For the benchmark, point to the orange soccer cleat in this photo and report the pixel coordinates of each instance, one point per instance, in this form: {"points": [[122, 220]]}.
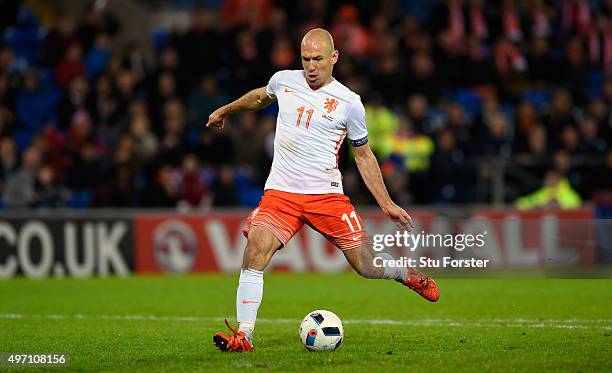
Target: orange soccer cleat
{"points": [[232, 343], [424, 285]]}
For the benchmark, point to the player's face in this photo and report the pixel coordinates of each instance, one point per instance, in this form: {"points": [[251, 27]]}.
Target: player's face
{"points": [[318, 62]]}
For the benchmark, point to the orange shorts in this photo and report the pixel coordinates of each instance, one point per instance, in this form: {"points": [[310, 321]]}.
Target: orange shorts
{"points": [[330, 214]]}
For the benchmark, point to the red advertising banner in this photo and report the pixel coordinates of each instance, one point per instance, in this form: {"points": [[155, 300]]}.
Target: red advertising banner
{"points": [[541, 237], [177, 243]]}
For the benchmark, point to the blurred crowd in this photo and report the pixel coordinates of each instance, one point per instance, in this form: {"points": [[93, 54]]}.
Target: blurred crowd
{"points": [[467, 101]]}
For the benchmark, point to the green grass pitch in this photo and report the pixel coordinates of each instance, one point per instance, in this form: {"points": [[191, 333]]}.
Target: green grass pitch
{"points": [[166, 323]]}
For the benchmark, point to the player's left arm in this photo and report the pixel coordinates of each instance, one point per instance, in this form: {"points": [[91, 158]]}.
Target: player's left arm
{"points": [[367, 164], [370, 172]]}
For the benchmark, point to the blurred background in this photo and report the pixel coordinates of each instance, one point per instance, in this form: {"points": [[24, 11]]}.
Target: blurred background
{"points": [[476, 110], [102, 103]]}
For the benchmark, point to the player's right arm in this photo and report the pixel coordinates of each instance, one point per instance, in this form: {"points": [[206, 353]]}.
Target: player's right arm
{"points": [[251, 101]]}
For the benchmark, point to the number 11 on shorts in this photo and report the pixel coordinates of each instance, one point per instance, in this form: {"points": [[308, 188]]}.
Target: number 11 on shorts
{"points": [[353, 215]]}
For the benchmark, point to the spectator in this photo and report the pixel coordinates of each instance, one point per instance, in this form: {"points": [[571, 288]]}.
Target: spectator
{"points": [[215, 148], [560, 115], [423, 77], [136, 62], [174, 120], [84, 175], [126, 90], [164, 92], [417, 111], [565, 166], [7, 121], [224, 189], [497, 139], [575, 70], [105, 106], [71, 66], [381, 121], [20, 186], [193, 192], [591, 143], [163, 191], [477, 65], [47, 192], [8, 159], [57, 41], [35, 108], [541, 23], [457, 123], [123, 191], [411, 151], [555, 193], [349, 34], [168, 63], [283, 56], [77, 98], [569, 140], [389, 81], [449, 177], [249, 138], [205, 100], [250, 67], [542, 68], [145, 141], [198, 48], [98, 56]]}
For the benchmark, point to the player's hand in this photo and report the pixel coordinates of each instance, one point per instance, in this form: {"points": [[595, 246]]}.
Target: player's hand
{"points": [[401, 218], [217, 119]]}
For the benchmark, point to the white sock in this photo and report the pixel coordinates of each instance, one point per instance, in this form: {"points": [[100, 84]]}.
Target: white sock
{"points": [[248, 299], [395, 273]]}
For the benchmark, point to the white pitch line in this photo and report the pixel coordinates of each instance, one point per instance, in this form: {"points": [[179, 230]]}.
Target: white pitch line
{"points": [[592, 324]]}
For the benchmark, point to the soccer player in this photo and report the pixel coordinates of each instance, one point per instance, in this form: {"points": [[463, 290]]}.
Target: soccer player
{"points": [[315, 113]]}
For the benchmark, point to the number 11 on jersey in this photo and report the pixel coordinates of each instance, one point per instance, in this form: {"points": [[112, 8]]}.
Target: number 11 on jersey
{"points": [[300, 111]]}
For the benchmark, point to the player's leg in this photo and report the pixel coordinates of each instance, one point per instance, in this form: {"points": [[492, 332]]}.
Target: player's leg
{"points": [[362, 260], [270, 226], [337, 219], [261, 246]]}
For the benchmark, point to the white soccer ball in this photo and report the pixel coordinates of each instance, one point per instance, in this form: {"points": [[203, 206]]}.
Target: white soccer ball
{"points": [[321, 331]]}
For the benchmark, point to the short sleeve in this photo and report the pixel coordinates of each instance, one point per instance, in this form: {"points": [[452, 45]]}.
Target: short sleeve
{"points": [[272, 86], [357, 131]]}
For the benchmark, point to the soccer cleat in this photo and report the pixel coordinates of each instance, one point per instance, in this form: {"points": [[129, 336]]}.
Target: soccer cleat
{"points": [[232, 343], [424, 285]]}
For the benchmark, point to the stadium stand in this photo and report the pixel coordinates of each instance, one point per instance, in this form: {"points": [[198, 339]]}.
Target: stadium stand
{"points": [[467, 101]]}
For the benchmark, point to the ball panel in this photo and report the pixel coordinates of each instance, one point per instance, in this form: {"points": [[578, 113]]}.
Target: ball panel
{"points": [[311, 337], [331, 331]]}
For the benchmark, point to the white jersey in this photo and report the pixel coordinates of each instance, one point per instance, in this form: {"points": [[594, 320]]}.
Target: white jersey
{"points": [[310, 128]]}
